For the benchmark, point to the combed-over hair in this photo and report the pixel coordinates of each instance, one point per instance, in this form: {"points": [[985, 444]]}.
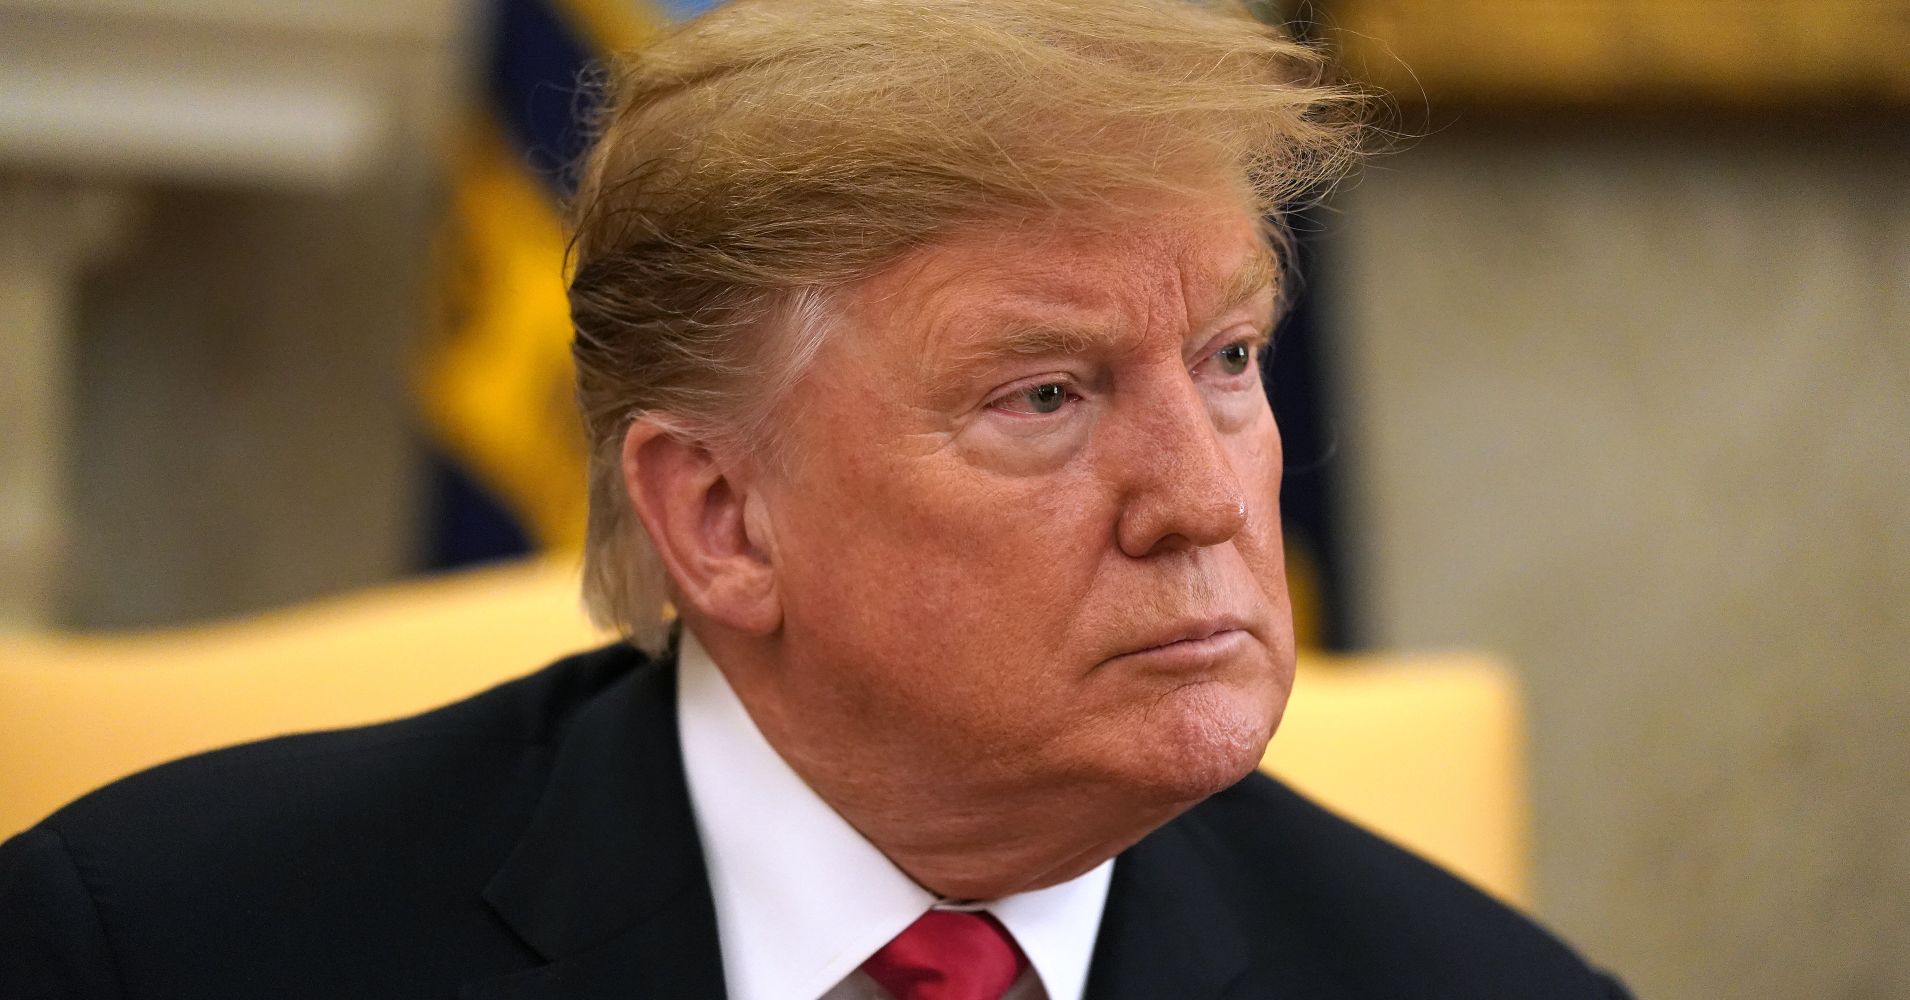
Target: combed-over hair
{"points": [[752, 161]]}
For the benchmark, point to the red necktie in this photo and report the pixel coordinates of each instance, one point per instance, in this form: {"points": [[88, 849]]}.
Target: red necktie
{"points": [[949, 955]]}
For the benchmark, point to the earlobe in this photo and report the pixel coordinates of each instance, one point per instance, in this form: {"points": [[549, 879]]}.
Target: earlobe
{"points": [[742, 592], [707, 525]]}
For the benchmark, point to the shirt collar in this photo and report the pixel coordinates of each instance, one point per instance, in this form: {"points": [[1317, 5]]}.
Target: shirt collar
{"points": [[802, 899]]}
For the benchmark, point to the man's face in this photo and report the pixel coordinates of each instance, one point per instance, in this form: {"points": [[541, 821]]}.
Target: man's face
{"points": [[1030, 530]]}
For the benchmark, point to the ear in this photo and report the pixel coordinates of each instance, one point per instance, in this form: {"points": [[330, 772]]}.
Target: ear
{"points": [[707, 525]]}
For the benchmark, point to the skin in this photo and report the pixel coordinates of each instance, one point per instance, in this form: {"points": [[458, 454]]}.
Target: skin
{"points": [[955, 615]]}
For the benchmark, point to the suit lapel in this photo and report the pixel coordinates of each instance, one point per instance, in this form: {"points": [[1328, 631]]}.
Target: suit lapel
{"points": [[1166, 931], [608, 883]]}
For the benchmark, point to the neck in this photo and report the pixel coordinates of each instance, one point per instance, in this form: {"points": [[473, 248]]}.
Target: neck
{"points": [[981, 848], [959, 824]]}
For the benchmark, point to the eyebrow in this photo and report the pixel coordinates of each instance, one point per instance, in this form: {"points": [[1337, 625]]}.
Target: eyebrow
{"points": [[1256, 275]]}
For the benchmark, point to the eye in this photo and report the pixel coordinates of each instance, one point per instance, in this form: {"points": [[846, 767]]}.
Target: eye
{"points": [[1044, 398], [1235, 357]]}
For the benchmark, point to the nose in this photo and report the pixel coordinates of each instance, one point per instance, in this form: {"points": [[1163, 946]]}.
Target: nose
{"points": [[1183, 491]]}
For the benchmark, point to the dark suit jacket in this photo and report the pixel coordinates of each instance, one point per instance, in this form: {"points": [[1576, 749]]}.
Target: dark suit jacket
{"points": [[536, 841]]}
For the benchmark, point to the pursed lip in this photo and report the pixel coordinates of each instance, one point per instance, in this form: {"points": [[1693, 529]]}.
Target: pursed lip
{"points": [[1208, 634]]}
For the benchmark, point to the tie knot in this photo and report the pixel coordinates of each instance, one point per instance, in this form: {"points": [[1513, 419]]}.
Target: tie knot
{"points": [[949, 955]]}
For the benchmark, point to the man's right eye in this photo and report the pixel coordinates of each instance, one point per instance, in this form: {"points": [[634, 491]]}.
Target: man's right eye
{"points": [[1036, 397], [1046, 398], [1035, 400]]}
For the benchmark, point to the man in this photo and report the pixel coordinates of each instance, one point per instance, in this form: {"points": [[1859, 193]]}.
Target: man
{"points": [[918, 346]]}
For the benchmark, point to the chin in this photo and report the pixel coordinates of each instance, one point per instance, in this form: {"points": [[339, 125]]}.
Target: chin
{"points": [[1202, 738]]}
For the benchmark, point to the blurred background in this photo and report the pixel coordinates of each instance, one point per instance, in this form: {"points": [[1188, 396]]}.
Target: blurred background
{"points": [[1605, 370]]}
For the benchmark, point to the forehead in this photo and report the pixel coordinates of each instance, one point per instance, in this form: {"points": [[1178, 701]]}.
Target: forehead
{"points": [[1177, 261]]}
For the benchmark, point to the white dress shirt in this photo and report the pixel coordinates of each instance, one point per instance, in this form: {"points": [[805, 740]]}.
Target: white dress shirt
{"points": [[802, 899]]}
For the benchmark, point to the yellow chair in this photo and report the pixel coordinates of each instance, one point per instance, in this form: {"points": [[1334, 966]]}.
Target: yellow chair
{"points": [[1428, 752]]}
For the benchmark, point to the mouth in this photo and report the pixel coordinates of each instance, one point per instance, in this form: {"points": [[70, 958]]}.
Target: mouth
{"points": [[1190, 644]]}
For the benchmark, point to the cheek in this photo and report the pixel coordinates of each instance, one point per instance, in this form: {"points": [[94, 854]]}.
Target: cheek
{"points": [[966, 587], [1264, 450], [1009, 557], [946, 600], [1259, 462]]}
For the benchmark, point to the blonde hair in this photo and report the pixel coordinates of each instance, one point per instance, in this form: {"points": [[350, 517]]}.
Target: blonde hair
{"points": [[755, 160]]}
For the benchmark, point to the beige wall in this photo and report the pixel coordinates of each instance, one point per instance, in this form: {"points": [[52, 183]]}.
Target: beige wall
{"points": [[243, 434], [212, 269], [1631, 404]]}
